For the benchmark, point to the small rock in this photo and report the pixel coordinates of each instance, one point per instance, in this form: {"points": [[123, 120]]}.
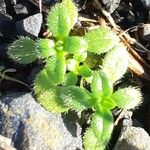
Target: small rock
{"points": [[127, 119], [146, 3], [111, 5], [20, 9], [2, 6], [133, 138], [145, 34], [30, 126], [5, 143], [30, 26]]}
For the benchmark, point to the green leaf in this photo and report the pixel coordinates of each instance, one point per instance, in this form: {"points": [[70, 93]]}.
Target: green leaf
{"points": [[101, 40], [107, 125], [96, 85], [76, 98], [79, 57], [62, 18], [71, 79], [47, 94], [75, 45], [85, 71], [46, 47], [23, 50], [107, 85], [98, 135], [115, 63], [127, 97], [41, 78], [108, 103], [102, 124], [101, 85], [56, 68], [91, 142]]}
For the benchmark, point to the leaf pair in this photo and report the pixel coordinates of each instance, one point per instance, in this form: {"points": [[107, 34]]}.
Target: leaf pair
{"points": [[59, 99]]}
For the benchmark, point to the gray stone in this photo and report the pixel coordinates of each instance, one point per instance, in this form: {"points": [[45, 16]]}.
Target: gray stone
{"points": [[146, 3], [146, 32], [111, 5], [5, 143], [30, 126], [20, 9], [2, 6], [133, 138], [30, 26]]}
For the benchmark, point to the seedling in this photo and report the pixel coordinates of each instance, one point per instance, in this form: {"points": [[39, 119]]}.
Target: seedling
{"points": [[59, 86]]}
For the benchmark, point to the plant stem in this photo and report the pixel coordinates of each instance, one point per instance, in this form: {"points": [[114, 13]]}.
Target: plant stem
{"points": [[3, 76]]}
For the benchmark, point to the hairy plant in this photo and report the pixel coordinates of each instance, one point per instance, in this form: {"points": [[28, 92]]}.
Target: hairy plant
{"points": [[61, 85]]}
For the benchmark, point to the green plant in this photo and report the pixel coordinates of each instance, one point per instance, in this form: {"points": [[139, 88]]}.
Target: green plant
{"points": [[61, 85]]}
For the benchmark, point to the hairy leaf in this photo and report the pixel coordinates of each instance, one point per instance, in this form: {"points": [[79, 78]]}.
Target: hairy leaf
{"points": [[101, 40], [107, 125], [47, 94], [46, 47], [91, 142], [127, 97], [62, 18], [70, 79], [108, 103], [85, 71], [98, 135], [75, 45], [23, 50], [76, 98], [56, 68], [115, 63], [96, 85], [107, 85], [102, 125]]}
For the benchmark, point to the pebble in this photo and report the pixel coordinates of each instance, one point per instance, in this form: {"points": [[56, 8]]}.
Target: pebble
{"points": [[133, 138], [111, 5], [2, 6], [5, 143], [30, 26], [146, 3], [145, 34], [21, 9], [30, 126]]}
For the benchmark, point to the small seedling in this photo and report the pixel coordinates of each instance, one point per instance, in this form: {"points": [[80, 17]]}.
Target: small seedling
{"points": [[60, 85]]}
